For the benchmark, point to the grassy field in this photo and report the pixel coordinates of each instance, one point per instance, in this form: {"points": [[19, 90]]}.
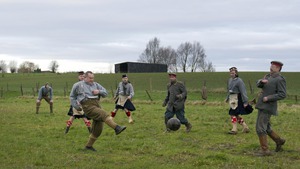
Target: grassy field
{"points": [[30, 140]]}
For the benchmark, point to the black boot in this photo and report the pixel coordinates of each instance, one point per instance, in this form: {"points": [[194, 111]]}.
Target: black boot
{"points": [[67, 129], [119, 129], [188, 127], [90, 129]]}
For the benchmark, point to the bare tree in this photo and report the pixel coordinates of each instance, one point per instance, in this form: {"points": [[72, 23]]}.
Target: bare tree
{"points": [[150, 54], [197, 56], [27, 67], [168, 55], [13, 66], [53, 66], [3, 66], [183, 52]]}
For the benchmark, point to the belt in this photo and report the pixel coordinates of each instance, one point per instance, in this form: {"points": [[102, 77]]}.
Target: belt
{"points": [[87, 99]]}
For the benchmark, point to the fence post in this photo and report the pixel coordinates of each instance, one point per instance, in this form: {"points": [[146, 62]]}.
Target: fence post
{"points": [[204, 91], [251, 89], [6, 86], [33, 92], [149, 95], [65, 92], [296, 98], [22, 90], [1, 93]]}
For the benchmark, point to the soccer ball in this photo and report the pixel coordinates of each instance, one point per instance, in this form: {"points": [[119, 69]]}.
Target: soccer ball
{"points": [[173, 124]]}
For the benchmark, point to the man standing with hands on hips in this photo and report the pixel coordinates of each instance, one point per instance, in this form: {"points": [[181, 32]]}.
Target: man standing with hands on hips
{"points": [[273, 87]]}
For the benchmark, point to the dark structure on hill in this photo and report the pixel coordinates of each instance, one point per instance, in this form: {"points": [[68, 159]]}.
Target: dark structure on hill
{"points": [[137, 67]]}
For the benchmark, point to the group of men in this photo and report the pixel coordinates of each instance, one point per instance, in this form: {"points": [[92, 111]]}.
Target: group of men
{"points": [[85, 95]]}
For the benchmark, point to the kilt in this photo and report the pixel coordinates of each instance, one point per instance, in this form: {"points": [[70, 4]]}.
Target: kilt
{"points": [[128, 105], [240, 110]]}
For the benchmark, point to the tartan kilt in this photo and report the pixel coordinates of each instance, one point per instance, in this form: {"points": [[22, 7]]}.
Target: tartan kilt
{"points": [[128, 105]]}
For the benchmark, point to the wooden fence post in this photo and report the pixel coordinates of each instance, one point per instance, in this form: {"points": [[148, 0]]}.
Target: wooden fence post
{"points": [[149, 95], [251, 89], [1, 93], [22, 90], [65, 92], [204, 91], [33, 92], [296, 98]]}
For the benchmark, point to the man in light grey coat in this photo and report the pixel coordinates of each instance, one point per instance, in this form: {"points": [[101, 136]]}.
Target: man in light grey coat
{"points": [[273, 89]]}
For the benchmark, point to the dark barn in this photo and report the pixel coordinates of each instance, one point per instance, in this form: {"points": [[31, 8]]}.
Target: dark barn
{"points": [[136, 67]]}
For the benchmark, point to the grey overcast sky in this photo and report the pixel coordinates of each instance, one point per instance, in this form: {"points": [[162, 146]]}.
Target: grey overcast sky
{"points": [[96, 34]]}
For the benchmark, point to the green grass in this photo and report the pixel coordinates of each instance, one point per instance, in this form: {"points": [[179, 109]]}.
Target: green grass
{"points": [[30, 140]]}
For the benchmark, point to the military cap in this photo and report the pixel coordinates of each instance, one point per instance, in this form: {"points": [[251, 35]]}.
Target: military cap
{"points": [[277, 63], [124, 76], [172, 74], [80, 72]]}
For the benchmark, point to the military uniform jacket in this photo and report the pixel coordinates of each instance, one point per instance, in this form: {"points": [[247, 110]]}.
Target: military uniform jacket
{"points": [[176, 96], [275, 90]]}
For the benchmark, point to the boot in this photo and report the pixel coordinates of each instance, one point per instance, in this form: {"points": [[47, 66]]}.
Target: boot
{"points": [[130, 120], [264, 146], [245, 128], [279, 141], [90, 143], [188, 127], [67, 129], [119, 129], [37, 110], [51, 109], [233, 131], [89, 129]]}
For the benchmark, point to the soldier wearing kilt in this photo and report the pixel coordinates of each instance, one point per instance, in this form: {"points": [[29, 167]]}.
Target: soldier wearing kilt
{"points": [[75, 114], [123, 96], [238, 101]]}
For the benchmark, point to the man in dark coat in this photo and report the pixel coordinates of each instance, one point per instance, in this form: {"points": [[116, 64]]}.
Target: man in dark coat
{"points": [[273, 87], [175, 101]]}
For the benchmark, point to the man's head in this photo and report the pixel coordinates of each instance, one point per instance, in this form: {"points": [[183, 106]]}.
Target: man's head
{"points": [[233, 72], [89, 77], [80, 75], [124, 78], [47, 85], [172, 77], [276, 66]]}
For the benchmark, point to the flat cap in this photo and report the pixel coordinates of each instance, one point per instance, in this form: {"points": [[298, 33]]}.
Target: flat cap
{"points": [[278, 63], [124, 76], [172, 74]]}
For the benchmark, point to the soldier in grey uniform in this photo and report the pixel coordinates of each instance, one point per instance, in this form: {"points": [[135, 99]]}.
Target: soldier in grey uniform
{"points": [[78, 114], [175, 101], [273, 87], [84, 96], [238, 101], [46, 93], [123, 96]]}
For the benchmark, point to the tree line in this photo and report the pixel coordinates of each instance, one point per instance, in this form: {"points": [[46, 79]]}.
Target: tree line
{"points": [[188, 57], [25, 67]]}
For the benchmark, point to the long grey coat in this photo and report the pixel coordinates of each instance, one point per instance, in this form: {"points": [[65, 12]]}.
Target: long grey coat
{"points": [[176, 96], [275, 90]]}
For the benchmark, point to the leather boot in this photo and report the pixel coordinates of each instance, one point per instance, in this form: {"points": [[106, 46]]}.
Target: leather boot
{"points": [[118, 129], [233, 131], [51, 109], [188, 127], [264, 151], [279, 141]]}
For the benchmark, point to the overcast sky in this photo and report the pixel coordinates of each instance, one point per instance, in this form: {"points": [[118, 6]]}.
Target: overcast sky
{"points": [[96, 34]]}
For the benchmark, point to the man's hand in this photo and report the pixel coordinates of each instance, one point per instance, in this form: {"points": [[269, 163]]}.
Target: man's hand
{"points": [[38, 100], [265, 99], [179, 96], [96, 92], [129, 97], [164, 104], [51, 101], [265, 81]]}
